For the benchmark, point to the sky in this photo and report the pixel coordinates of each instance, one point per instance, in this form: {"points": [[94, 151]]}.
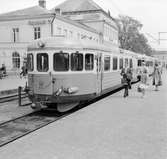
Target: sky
{"points": [[151, 13]]}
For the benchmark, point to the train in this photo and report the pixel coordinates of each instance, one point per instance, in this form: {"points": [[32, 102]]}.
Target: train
{"points": [[63, 72]]}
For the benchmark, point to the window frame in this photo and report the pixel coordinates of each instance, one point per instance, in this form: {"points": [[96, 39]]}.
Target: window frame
{"points": [[126, 62], [130, 63], [71, 66], [15, 32], [121, 63], [109, 62], [113, 64], [30, 70], [37, 32], [92, 66], [16, 61], [38, 61], [61, 52]]}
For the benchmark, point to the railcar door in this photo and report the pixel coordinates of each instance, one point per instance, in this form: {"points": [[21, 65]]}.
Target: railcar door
{"points": [[43, 78], [99, 71]]}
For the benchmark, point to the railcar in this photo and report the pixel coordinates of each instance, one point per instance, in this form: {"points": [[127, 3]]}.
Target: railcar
{"points": [[64, 72]]}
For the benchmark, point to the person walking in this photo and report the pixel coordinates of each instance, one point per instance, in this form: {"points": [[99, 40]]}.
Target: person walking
{"points": [[23, 73], [126, 74], [156, 77], [143, 85]]}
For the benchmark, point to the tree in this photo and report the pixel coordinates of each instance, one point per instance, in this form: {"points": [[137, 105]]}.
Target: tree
{"points": [[130, 37]]}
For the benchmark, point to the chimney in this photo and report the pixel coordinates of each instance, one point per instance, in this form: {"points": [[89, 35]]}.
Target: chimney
{"points": [[42, 3], [58, 11]]}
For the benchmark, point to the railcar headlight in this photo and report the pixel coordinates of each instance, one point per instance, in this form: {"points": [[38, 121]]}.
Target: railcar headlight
{"points": [[58, 92], [71, 90]]}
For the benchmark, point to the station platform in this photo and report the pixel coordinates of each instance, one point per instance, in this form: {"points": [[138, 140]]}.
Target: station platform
{"points": [[10, 84], [112, 128]]}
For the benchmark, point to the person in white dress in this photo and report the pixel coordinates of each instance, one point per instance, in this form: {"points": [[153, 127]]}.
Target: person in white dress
{"points": [[143, 85]]}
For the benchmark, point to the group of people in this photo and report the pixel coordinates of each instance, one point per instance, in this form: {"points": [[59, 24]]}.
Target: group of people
{"points": [[3, 71], [143, 77]]}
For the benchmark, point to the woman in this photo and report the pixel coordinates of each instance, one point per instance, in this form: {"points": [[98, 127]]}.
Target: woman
{"points": [[156, 76], [143, 85]]}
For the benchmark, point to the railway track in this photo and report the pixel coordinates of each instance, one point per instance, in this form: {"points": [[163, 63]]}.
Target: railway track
{"points": [[21, 126], [12, 97]]}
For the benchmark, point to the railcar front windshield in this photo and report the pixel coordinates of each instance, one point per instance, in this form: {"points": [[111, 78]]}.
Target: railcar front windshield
{"points": [[61, 61], [42, 62], [30, 62], [76, 61]]}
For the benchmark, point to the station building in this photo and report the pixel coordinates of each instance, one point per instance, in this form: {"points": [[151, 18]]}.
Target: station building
{"points": [[74, 19]]}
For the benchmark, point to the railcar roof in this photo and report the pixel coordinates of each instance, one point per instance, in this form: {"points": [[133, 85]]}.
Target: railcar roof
{"points": [[64, 43]]}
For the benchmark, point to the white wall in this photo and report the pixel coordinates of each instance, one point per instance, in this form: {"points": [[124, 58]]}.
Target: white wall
{"points": [[26, 35], [58, 23]]}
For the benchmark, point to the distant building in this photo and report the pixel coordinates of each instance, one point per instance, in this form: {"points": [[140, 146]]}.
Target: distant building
{"points": [[89, 13], [162, 55], [78, 19]]}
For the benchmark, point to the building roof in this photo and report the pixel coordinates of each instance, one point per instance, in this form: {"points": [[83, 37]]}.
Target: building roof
{"points": [[77, 5], [35, 10]]}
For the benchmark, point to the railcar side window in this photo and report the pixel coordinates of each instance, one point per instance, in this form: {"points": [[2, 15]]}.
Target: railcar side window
{"points": [[42, 62], [89, 61], [106, 63], [76, 61], [61, 61], [120, 63], [115, 63], [147, 63], [30, 62], [126, 62], [139, 62], [131, 63]]}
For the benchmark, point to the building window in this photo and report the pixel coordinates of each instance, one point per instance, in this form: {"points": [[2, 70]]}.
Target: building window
{"points": [[15, 34], [61, 61], [76, 61], [89, 63], [16, 60], [37, 32], [106, 63]]}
